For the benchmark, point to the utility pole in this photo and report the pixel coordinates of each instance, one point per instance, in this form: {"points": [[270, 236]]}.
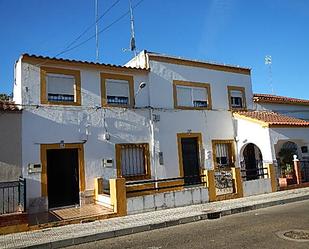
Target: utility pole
{"points": [[96, 29]]}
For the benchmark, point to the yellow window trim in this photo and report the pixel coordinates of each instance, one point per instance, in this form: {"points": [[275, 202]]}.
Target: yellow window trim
{"points": [[187, 135], [77, 87], [232, 152], [146, 158], [191, 84], [81, 167], [107, 76], [237, 88]]}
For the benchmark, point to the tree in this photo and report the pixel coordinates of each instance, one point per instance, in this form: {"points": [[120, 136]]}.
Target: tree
{"points": [[5, 97]]}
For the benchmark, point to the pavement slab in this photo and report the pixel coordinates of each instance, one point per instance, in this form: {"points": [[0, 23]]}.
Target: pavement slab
{"points": [[57, 237]]}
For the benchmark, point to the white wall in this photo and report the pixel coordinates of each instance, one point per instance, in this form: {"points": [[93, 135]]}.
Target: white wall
{"points": [[163, 74], [293, 110], [250, 132], [10, 146], [185, 197], [257, 187], [300, 136]]}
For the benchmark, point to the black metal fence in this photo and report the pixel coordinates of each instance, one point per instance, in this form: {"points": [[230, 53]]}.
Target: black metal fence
{"points": [[254, 174], [304, 166], [168, 183], [12, 196]]}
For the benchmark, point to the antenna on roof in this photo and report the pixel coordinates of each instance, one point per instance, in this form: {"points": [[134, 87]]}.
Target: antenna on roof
{"points": [[132, 41], [268, 62], [96, 30]]}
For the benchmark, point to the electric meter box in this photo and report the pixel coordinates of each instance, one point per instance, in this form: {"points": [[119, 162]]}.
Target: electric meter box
{"points": [[34, 168], [108, 162]]}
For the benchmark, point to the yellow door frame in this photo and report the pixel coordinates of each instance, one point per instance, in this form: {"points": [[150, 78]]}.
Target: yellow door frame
{"points": [[188, 135], [81, 167]]}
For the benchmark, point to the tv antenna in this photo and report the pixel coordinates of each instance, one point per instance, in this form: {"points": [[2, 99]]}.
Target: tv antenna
{"points": [[132, 40], [268, 62]]}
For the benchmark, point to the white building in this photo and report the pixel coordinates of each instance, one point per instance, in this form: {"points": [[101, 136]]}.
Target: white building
{"points": [[157, 117]]}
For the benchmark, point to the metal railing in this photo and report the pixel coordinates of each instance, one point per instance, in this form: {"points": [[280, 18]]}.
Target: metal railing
{"points": [[12, 196], [254, 174], [304, 166], [196, 180]]}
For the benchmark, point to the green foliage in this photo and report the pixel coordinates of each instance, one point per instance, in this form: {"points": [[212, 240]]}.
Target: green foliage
{"points": [[5, 97]]}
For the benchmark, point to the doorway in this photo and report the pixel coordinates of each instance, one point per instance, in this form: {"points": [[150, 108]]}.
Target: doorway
{"points": [[253, 162], [62, 177], [189, 158]]}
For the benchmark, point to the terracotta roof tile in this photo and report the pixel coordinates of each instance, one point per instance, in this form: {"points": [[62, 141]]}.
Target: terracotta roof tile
{"points": [[45, 59], [9, 106], [268, 98], [273, 118]]}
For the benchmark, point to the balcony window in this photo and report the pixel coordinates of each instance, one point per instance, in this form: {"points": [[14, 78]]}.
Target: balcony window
{"points": [[117, 90], [191, 95], [60, 86], [237, 98]]}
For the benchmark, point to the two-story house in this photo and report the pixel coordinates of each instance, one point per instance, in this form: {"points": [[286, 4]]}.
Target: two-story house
{"points": [[158, 117]]}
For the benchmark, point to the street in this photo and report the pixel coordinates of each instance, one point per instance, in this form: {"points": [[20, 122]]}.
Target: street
{"points": [[255, 229]]}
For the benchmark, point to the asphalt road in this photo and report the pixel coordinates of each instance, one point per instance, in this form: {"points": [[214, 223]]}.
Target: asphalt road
{"points": [[255, 229]]}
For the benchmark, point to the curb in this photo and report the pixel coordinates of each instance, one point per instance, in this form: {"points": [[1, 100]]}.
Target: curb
{"points": [[144, 228]]}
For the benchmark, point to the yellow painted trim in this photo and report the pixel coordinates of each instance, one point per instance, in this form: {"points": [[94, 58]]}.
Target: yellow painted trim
{"points": [[211, 184], [232, 152], [145, 146], [118, 195], [200, 146], [191, 84], [77, 87], [262, 123], [82, 65], [191, 63], [81, 167], [272, 175], [238, 182], [237, 88], [129, 78]]}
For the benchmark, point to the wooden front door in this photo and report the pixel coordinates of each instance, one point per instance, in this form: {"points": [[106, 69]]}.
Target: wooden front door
{"points": [[190, 160], [62, 177]]}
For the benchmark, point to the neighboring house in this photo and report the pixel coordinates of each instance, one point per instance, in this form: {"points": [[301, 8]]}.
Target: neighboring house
{"points": [[10, 142], [298, 108]]}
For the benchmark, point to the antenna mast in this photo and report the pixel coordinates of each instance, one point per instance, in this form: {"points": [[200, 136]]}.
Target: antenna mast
{"points": [[270, 75], [96, 30], [132, 41]]}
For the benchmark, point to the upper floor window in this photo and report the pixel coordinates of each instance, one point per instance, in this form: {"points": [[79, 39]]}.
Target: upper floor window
{"points": [[117, 90], [133, 161], [223, 153], [191, 95], [60, 86], [237, 99]]}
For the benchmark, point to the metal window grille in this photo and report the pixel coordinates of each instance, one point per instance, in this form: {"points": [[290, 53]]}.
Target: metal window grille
{"points": [[134, 160], [222, 155]]}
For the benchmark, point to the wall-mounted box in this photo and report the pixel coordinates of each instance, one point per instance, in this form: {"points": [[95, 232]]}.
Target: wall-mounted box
{"points": [[34, 168], [108, 162]]}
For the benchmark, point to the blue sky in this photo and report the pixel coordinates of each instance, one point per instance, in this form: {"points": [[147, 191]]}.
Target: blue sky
{"points": [[240, 32]]}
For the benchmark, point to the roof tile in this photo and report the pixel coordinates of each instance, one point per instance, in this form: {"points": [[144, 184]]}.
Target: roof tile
{"points": [[269, 98], [9, 106], [273, 118]]}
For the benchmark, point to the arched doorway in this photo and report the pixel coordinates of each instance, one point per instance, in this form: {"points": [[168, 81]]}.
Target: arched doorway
{"points": [[253, 162], [285, 158]]}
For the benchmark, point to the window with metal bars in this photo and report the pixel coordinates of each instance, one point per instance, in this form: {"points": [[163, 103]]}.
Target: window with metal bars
{"points": [[133, 161], [223, 154]]}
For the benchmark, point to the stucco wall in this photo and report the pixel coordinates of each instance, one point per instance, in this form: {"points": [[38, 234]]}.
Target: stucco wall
{"points": [[250, 132], [163, 74], [10, 146]]}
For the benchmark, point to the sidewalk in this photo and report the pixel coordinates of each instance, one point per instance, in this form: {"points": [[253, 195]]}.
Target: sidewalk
{"points": [[103, 229]]}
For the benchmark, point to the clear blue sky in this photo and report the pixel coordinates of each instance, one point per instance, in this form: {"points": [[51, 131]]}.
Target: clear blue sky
{"points": [[237, 32]]}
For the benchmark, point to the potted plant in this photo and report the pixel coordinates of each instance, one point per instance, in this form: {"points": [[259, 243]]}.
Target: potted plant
{"points": [[286, 164]]}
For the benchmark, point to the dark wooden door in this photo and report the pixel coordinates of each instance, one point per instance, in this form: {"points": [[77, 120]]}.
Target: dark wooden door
{"points": [[62, 177], [190, 160]]}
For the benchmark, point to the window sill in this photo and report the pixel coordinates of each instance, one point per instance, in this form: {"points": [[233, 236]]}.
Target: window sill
{"points": [[192, 108], [61, 103]]}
